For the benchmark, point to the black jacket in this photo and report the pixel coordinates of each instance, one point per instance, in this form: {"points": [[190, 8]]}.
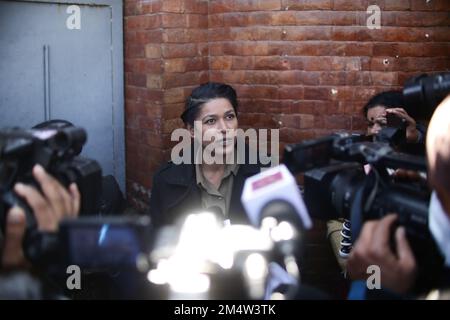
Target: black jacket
{"points": [[175, 193]]}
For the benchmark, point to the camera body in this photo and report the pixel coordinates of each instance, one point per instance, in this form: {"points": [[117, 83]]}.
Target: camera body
{"points": [[334, 174], [56, 150], [342, 187]]}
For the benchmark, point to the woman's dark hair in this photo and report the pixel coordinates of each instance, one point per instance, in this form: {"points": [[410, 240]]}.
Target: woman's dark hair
{"points": [[387, 99], [204, 93]]}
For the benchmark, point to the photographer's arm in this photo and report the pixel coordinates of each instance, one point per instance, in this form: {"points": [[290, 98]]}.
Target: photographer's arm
{"points": [[49, 209], [12, 253], [54, 204], [398, 270]]}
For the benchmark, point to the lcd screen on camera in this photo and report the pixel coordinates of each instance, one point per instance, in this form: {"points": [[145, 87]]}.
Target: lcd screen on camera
{"points": [[103, 246]]}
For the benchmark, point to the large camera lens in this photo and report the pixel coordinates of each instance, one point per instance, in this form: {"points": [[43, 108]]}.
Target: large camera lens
{"points": [[343, 190], [423, 94], [69, 139]]}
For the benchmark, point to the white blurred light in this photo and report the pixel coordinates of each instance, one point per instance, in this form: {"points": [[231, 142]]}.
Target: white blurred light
{"points": [[190, 283], [284, 231], [256, 266]]}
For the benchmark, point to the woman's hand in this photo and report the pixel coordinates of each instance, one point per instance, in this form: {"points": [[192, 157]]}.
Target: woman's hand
{"points": [[412, 134]]}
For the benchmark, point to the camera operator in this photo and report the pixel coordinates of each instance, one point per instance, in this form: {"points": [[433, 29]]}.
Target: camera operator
{"points": [[398, 266], [49, 207], [387, 103]]}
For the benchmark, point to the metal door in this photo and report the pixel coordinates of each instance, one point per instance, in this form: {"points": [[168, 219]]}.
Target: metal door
{"points": [[64, 60]]}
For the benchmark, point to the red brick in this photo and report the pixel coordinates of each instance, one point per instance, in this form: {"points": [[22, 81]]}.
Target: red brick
{"points": [[220, 6], [172, 6], [174, 80], [134, 51], [385, 49], [170, 125], [172, 111], [143, 65], [435, 5], [197, 21], [242, 63], [316, 93], [154, 81], [256, 19], [174, 20], [291, 92], [220, 34], [384, 78], [303, 33], [422, 19], [220, 63], [260, 91], [357, 49], [236, 19], [307, 4], [137, 80], [397, 5], [184, 35], [333, 78], [364, 93], [271, 63], [185, 65], [345, 5], [176, 50], [245, 5], [343, 93], [308, 78], [215, 20], [196, 6], [269, 5], [306, 121], [148, 36], [342, 33], [143, 22], [338, 122], [153, 51]]}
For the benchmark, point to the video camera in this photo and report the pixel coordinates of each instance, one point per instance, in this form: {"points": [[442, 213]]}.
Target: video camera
{"points": [[337, 184], [56, 150], [421, 95]]}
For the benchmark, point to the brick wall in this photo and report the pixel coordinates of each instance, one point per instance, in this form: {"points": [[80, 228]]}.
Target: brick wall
{"points": [[166, 55], [306, 67]]}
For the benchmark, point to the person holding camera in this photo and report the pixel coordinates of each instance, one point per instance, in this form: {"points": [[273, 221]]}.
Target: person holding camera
{"points": [[386, 108], [196, 186], [49, 207], [399, 267]]}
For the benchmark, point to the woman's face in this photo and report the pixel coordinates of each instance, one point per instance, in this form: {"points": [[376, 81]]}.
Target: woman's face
{"points": [[219, 124], [376, 118]]}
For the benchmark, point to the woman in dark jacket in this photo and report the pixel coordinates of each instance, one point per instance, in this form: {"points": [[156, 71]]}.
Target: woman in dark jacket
{"points": [[180, 189]]}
